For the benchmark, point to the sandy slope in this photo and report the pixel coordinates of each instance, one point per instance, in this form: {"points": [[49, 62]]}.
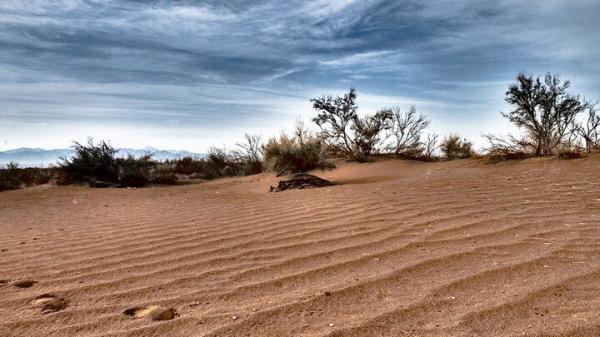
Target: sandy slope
{"points": [[398, 249]]}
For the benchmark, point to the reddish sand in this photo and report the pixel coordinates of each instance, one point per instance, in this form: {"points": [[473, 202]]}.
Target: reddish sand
{"points": [[396, 249]]}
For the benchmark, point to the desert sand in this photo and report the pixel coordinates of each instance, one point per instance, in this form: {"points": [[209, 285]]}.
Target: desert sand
{"points": [[397, 248]]}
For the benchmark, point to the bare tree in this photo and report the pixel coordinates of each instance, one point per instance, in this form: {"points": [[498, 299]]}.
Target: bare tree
{"points": [[590, 131], [544, 109], [406, 131], [430, 146], [342, 127]]}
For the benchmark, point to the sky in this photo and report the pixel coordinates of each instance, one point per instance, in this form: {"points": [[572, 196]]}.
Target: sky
{"points": [[185, 74]]}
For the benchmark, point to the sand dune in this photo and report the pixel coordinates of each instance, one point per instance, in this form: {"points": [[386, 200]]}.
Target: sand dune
{"points": [[396, 249]]}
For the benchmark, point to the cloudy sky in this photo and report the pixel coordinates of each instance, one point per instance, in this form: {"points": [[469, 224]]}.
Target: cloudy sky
{"points": [[185, 74]]}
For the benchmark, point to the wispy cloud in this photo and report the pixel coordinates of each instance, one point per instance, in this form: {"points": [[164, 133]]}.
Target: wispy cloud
{"points": [[188, 63]]}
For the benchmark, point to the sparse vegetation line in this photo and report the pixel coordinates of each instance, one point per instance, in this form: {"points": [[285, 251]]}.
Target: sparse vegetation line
{"points": [[548, 115]]}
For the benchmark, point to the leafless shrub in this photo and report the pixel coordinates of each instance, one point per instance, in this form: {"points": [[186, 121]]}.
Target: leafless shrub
{"points": [[406, 130], [502, 149], [341, 127], [570, 153], [430, 147], [248, 159], [590, 129]]}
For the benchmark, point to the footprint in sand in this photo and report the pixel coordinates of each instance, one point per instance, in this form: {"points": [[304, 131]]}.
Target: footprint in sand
{"points": [[49, 303], [154, 312], [23, 283]]}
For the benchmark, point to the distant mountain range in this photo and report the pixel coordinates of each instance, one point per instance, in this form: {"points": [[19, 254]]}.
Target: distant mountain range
{"points": [[28, 157]]}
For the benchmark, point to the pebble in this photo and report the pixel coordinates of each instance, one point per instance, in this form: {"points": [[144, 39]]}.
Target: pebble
{"points": [[23, 283]]}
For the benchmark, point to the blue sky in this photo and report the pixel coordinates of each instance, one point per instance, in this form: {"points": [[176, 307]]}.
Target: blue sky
{"points": [[189, 74]]}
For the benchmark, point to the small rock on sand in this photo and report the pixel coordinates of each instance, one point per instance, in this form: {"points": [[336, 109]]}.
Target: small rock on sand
{"points": [[49, 303], [23, 283], [154, 312]]}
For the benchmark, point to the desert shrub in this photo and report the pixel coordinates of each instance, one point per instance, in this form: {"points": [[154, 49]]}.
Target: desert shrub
{"points": [[430, 146], [248, 158], [502, 149], [342, 128], [98, 165], [545, 110], [91, 161], [590, 129], [406, 131], [9, 177], [498, 155], [31, 176], [570, 152], [187, 165], [13, 177], [453, 147], [368, 133], [301, 153], [219, 163], [164, 174], [135, 172]]}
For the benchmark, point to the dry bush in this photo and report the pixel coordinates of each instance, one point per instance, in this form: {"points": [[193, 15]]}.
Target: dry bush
{"points": [[453, 147], [13, 177], [248, 158], [406, 131], [9, 177], [590, 129], [187, 165], [570, 152], [301, 153], [545, 111], [342, 128], [96, 164], [430, 146], [135, 172], [164, 174], [501, 149], [90, 162]]}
